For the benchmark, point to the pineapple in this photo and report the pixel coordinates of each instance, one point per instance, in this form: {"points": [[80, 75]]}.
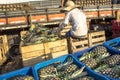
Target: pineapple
{"points": [[70, 68], [99, 52], [90, 62], [112, 60], [49, 70], [111, 72], [99, 49]]}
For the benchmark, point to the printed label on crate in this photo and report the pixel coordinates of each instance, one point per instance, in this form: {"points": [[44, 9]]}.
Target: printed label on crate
{"points": [[2, 21], [105, 13], [39, 18], [16, 20], [56, 16], [91, 14]]}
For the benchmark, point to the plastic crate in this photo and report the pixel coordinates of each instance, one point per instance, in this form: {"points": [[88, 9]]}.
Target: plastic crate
{"points": [[23, 72], [113, 43], [80, 53], [62, 59]]}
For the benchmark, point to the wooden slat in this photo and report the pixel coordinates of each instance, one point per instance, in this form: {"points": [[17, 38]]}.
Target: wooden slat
{"points": [[97, 33], [80, 43], [97, 44], [79, 49], [57, 43], [32, 54], [26, 49], [59, 48], [60, 53], [98, 39], [33, 61]]}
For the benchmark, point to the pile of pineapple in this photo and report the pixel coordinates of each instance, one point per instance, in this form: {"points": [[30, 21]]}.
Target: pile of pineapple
{"points": [[39, 34], [19, 77], [101, 61], [67, 70]]}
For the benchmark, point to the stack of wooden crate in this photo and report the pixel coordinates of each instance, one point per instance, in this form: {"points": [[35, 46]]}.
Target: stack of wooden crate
{"points": [[32, 54], [93, 38]]}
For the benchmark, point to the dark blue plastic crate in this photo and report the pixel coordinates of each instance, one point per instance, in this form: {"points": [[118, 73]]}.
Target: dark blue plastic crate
{"points": [[23, 72], [79, 54], [62, 59], [113, 43]]}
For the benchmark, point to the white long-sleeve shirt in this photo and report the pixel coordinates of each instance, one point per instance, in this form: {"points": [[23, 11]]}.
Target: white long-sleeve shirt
{"points": [[78, 21]]}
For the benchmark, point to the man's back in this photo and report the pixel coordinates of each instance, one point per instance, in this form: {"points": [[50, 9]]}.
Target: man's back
{"points": [[78, 21]]}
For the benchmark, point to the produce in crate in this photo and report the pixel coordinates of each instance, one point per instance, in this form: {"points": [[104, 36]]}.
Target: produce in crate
{"points": [[27, 77], [67, 70], [112, 60], [113, 72], [101, 61], [38, 34], [98, 52], [90, 62]]}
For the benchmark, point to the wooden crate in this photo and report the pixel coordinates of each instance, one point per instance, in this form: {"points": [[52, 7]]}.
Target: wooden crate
{"points": [[3, 49], [32, 54], [96, 37], [4, 43], [75, 45], [56, 49], [93, 38]]}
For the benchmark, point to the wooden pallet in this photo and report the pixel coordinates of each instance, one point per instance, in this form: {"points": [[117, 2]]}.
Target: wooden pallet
{"points": [[93, 38]]}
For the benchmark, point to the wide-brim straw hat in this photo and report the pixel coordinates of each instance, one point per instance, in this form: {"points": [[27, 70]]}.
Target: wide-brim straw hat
{"points": [[69, 6]]}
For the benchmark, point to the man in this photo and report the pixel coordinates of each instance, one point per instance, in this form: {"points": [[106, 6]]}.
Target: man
{"points": [[77, 20]]}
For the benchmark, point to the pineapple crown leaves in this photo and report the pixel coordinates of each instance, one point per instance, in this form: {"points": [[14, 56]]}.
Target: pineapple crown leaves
{"points": [[101, 67], [67, 62], [77, 73], [116, 69], [86, 56]]}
